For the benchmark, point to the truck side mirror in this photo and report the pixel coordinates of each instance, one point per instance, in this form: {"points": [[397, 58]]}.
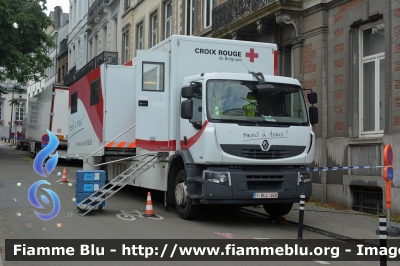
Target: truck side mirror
{"points": [[313, 113], [187, 92], [187, 109], [312, 97]]}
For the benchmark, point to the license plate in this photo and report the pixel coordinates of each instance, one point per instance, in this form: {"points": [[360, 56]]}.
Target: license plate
{"points": [[272, 195]]}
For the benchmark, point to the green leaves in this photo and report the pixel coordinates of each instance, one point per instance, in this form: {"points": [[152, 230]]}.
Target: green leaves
{"points": [[23, 42]]}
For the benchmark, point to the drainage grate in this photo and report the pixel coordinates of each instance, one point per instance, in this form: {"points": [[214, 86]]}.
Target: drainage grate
{"points": [[367, 199]]}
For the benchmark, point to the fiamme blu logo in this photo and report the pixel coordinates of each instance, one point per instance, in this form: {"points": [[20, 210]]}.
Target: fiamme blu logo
{"points": [[44, 169]]}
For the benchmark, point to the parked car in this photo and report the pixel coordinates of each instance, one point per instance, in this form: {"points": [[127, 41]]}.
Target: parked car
{"points": [[22, 145]]}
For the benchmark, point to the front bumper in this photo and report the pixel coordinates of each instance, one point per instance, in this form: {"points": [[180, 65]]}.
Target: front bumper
{"points": [[245, 183]]}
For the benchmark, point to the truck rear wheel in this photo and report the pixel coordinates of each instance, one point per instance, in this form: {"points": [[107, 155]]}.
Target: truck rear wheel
{"points": [[183, 204], [37, 148], [276, 210]]}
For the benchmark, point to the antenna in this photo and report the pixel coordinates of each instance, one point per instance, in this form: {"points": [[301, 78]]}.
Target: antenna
{"points": [[245, 66]]}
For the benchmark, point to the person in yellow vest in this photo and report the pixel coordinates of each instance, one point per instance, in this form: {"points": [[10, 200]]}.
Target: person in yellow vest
{"points": [[250, 108]]}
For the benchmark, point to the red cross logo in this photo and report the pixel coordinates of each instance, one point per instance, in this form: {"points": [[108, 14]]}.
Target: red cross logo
{"points": [[252, 55]]}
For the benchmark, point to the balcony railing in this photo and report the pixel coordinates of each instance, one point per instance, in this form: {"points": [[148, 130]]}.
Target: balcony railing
{"points": [[69, 79], [95, 7], [108, 58], [232, 10]]}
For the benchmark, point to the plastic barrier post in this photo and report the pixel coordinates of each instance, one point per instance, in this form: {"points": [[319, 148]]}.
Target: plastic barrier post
{"points": [[382, 238], [301, 216]]}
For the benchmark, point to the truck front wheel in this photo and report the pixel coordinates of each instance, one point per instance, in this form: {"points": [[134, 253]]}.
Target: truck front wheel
{"points": [[276, 210], [183, 203]]}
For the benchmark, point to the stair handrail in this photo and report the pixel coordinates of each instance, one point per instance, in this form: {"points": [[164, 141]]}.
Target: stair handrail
{"points": [[106, 145]]}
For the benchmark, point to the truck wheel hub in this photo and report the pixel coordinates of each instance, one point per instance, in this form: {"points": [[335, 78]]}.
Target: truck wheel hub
{"points": [[181, 194]]}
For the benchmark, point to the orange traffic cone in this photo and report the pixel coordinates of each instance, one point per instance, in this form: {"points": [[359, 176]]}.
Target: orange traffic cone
{"points": [[149, 207], [64, 176]]}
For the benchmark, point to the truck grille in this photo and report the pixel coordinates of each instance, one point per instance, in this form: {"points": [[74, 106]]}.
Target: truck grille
{"points": [[264, 185], [259, 154], [255, 152], [269, 177], [262, 168]]}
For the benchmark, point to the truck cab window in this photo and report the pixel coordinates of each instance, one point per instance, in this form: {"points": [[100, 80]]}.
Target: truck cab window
{"points": [[95, 92], [197, 106], [74, 102], [231, 101], [153, 76]]}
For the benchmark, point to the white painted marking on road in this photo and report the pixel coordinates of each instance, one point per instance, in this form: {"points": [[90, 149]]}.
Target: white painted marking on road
{"points": [[321, 262], [261, 238]]}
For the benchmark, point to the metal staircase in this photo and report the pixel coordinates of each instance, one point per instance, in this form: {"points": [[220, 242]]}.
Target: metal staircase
{"points": [[120, 181]]}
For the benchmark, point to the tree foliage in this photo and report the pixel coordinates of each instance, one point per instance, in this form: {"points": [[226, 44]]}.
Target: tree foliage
{"points": [[23, 41]]}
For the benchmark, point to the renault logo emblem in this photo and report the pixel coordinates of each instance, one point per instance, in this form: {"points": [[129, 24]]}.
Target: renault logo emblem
{"points": [[265, 145]]}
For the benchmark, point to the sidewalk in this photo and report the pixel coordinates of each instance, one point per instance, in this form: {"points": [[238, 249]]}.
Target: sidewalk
{"points": [[343, 224]]}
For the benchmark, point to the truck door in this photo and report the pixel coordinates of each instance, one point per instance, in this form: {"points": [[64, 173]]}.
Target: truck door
{"points": [[152, 99]]}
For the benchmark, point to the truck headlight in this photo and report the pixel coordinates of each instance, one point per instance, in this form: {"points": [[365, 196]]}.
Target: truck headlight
{"points": [[223, 178], [303, 178]]}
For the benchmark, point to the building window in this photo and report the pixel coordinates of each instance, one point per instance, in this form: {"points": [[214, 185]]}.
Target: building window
{"points": [[372, 80], [127, 4], [139, 44], [59, 75], [208, 6], [154, 29], [19, 112], [126, 47], [189, 17], [168, 19]]}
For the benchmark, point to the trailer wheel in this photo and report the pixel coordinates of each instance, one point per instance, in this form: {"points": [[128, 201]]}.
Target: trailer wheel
{"points": [[183, 204], [276, 210], [37, 148]]}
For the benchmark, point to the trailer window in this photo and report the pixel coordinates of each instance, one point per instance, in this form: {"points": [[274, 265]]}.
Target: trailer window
{"points": [[95, 92], [74, 102], [153, 76]]}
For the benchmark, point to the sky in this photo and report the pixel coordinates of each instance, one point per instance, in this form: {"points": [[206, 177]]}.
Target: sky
{"points": [[53, 3]]}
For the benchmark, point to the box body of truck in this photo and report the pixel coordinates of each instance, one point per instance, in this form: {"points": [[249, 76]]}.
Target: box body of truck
{"points": [[216, 156], [48, 110]]}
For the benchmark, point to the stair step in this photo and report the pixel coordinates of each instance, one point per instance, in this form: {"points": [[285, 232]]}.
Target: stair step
{"points": [[97, 199], [105, 191]]}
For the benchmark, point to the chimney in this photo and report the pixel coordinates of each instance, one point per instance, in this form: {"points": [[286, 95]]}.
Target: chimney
{"points": [[57, 16]]}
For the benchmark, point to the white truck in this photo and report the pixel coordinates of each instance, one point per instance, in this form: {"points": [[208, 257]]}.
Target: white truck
{"points": [[229, 130], [48, 110]]}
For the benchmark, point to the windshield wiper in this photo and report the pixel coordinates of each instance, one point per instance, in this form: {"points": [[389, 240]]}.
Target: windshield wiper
{"points": [[239, 122], [256, 105]]}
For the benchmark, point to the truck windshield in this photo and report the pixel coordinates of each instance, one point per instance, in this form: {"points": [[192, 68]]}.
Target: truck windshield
{"points": [[230, 101]]}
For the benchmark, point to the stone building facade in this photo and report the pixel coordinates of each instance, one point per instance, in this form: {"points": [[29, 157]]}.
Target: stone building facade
{"points": [[146, 23], [348, 52]]}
